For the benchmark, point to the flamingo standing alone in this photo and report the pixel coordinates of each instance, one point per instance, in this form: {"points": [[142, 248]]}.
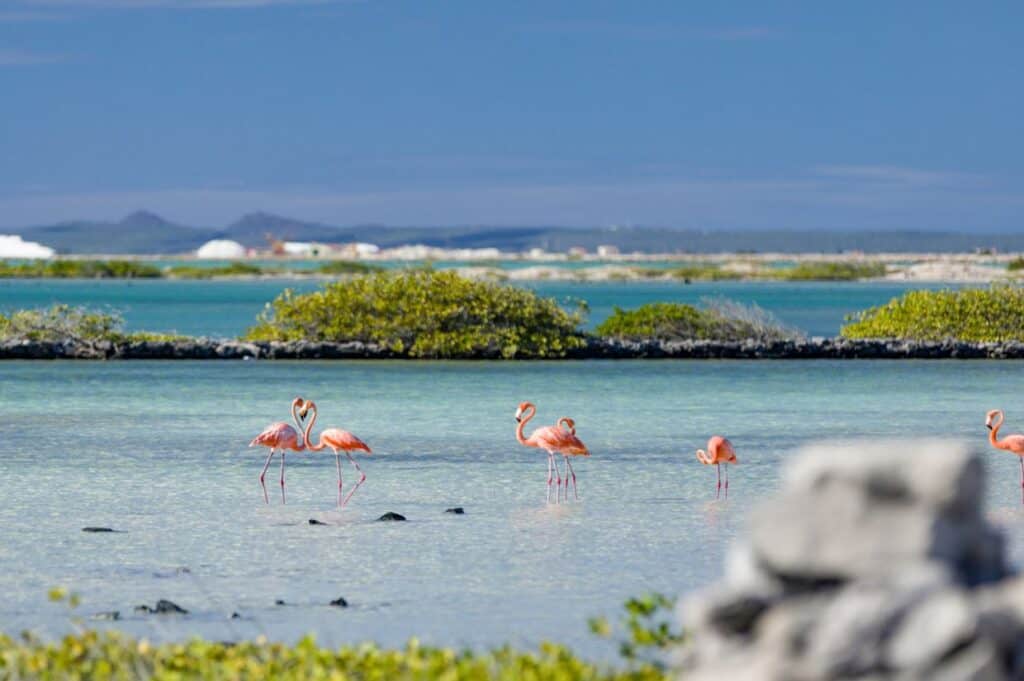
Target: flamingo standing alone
{"points": [[719, 451], [1011, 443], [553, 440], [280, 436], [336, 439]]}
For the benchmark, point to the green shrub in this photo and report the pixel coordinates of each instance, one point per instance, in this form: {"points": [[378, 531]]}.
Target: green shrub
{"points": [[345, 267], [63, 322], [425, 313], [79, 269], [719, 320], [829, 271], [111, 655], [1016, 264], [235, 269], [701, 272], [979, 315]]}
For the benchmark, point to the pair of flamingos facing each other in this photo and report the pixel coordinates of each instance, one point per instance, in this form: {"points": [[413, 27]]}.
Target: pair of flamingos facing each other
{"points": [[282, 436], [558, 439]]}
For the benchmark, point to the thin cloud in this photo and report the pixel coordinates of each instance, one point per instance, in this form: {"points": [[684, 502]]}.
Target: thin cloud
{"points": [[895, 175], [25, 58]]}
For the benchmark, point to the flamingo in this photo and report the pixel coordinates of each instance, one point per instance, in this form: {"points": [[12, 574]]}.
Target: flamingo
{"points": [[719, 451], [336, 439], [1011, 443], [570, 426], [280, 436], [553, 440]]}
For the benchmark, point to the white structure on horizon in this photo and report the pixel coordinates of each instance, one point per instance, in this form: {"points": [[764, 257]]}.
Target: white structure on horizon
{"points": [[221, 248], [13, 246]]}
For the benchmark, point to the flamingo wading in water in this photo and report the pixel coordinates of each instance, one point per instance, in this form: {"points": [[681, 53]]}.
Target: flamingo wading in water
{"points": [[280, 436], [553, 440], [1011, 443], [719, 451], [336, 439]]}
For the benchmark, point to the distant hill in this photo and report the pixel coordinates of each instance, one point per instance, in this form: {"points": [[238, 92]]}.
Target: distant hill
{"points": [[143, 232]]}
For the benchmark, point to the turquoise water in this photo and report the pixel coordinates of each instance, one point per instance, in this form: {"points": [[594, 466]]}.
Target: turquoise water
{"points": [[226, 308], [158, 450]]}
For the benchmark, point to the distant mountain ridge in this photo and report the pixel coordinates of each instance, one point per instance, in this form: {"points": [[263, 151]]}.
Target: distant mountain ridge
{"points": [[144, 232]]}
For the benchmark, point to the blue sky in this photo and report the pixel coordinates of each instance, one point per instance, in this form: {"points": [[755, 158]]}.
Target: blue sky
{"points": [[872, 115]]}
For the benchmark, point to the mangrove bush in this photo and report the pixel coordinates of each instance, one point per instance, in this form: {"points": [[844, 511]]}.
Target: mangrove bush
{"points": [[425, 313], [718, 320], [975, 314], [64, 322], [78, 269]]}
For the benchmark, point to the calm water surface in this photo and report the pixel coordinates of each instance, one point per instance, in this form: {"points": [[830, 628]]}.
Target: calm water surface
{"points": [[226, 308], [157, 449]]}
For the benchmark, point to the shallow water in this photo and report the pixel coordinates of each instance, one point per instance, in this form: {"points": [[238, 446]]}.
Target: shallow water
{"points": [[227, 308], [157, 449]]}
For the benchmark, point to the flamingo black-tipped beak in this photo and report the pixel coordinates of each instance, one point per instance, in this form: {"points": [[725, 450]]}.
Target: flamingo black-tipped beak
{"points": [[989, 426], [519, 419]]}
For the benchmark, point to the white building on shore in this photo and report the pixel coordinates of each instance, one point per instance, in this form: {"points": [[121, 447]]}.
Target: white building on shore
{"points": [[219, 249]]}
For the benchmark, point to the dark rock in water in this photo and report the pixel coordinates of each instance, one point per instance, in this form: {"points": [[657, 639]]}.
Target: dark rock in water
{"points": [[458, 510], [235, 616], [339, 602], [164, 607], [391, 515], [109, 615], [314, 521], [98, 529], [279, 602], [143, 609]]}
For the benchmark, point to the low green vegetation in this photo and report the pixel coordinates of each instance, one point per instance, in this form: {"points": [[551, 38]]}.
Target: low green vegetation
{"points": [[692, 272], [234, 269], [648, 633], [345, 267], [828, 271], [64, 322], [718, 320], [425, 313], [114, 656], [78, 269], [980, 315], [1016, 265]]}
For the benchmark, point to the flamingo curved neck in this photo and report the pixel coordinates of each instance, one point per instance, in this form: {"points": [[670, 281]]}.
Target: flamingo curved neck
{"points": [[704, 457], [527, 415], [309, 430], [993, 434], [299, 446]]}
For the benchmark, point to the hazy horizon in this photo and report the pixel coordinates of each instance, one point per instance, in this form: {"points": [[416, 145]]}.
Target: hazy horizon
{"points": [[738, 117]]}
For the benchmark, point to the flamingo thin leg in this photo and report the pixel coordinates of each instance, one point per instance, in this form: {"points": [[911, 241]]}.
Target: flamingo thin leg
{"points": [[337, 464], [263, 475], [1021, 480], [362, 478], [727, 482], [282, 476], [718, 491], [550, 463], [570, 472], [558, 480]]}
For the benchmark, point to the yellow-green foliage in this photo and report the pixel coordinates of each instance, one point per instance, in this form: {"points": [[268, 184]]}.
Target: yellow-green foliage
{"points": [[829, 271], [84, 269], [979, 315], [423, 313], [234, 269], [64, 322], [719, 320], [110, 655], [1016, 264], [345, 267]]}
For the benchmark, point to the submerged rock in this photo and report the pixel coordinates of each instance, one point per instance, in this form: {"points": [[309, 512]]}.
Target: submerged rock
{"points": [[339, 602], [279, 602], [162, 607], [866, 565], [457, 510], [391, 515], [314, 521], [98, 529], [109, 615]]}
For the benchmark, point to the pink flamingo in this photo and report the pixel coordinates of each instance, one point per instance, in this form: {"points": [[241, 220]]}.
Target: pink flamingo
{"points": [[719, 451], [1011, 443], [553, 440], [570, 427], [280, 436], [336, 439]]}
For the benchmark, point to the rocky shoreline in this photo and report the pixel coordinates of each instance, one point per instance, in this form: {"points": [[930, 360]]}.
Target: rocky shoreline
{"points": [[596, 348]]}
